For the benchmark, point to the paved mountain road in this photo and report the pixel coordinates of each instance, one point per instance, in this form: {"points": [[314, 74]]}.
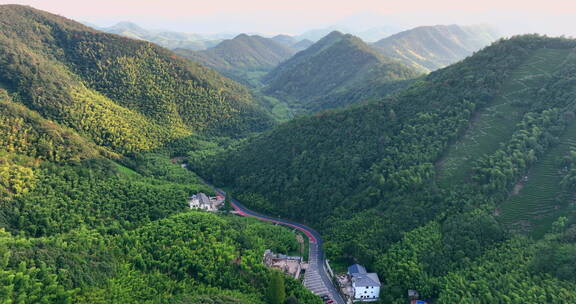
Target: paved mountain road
{"points": [[316, 277]]}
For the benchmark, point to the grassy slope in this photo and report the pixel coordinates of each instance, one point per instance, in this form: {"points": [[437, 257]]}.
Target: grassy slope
{"points": [[495, 124]]}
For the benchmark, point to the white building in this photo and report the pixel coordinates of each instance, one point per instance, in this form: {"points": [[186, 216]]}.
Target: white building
{"points": [[201, 201], [366, 285]]}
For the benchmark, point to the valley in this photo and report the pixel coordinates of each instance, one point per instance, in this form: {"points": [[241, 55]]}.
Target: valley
{"points": [[316, 278]]}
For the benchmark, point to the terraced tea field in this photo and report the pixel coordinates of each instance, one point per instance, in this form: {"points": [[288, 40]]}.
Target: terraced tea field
{"points": [[495, 124], [538, 203]]}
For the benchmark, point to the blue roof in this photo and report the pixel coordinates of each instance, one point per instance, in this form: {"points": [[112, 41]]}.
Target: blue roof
{"points": [[356, 268]]}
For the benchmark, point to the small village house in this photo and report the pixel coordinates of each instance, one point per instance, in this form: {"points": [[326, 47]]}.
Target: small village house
{"points": [[201, 201], [366, 285]]}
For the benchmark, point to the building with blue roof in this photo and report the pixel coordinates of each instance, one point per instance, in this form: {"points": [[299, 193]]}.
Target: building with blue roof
{"points": [[366, 285]]}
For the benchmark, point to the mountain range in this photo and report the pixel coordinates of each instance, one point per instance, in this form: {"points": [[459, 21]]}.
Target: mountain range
{"points": [[458, 182], [92, 209], [256, 61], [314, 78], [436, 185], [370, 35], [167, 39]]}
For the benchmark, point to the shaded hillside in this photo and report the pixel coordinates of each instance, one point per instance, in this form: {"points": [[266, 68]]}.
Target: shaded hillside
{"points": [[124, 94], [429, 48], [170, 40], [372, 177], [243, 58], [315, 78], [302, 44]]}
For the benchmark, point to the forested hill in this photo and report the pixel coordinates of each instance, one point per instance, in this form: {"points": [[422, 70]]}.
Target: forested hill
{"points": [[429, 48], [125, 94], [244, 54], [434, 184], [84, 221], [323, 75]]}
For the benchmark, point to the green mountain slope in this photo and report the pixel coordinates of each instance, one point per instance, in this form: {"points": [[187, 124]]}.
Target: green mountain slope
{"points": [[242, 57], [126, 94], [429, 48], [26, 132], [78, 228], [81, 223], [317, 77], [374, 178]]}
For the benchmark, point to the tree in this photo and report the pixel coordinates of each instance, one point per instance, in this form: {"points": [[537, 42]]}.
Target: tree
{"points": [[560, 224], [292, 300], [276, 291], [227, 202]]}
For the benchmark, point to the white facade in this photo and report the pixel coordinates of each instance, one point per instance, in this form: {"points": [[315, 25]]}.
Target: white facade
{"points": [[366, 285], [366, 293], [202, 202]]}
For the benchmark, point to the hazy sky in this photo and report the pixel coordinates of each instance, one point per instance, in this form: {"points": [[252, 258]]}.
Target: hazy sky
{"points": [[553, 17]]}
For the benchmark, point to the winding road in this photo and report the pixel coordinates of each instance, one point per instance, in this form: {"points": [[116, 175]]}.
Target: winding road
{"points": [[316, 277]]}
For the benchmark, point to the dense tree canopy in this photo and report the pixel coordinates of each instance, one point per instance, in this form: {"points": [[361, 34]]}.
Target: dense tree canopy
{"points": [[375, 180]]}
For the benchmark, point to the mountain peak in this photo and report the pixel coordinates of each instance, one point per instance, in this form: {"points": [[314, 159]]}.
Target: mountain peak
{"points": [[127, 25], [243, 36], [334, 35], [231, 57], [336, 63]]}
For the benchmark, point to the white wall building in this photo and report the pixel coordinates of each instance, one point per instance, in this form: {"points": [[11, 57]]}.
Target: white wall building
{"points": [[366, 285], [201, 201]]}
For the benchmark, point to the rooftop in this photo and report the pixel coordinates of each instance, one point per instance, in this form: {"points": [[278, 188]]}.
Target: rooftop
{"points": [[356, 268], [360, 277], [366, 279], [204, 200]]}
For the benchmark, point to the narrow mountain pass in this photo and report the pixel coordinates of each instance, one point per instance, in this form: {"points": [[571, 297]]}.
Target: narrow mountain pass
{"points": [[316, 278]]}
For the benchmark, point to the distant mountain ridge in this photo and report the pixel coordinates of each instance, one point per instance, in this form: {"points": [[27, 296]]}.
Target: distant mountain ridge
{"points": [[293, 42], [371, 34], [429, 48], [167, 39], [319, 76], [245, 55], [243, 51]]}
